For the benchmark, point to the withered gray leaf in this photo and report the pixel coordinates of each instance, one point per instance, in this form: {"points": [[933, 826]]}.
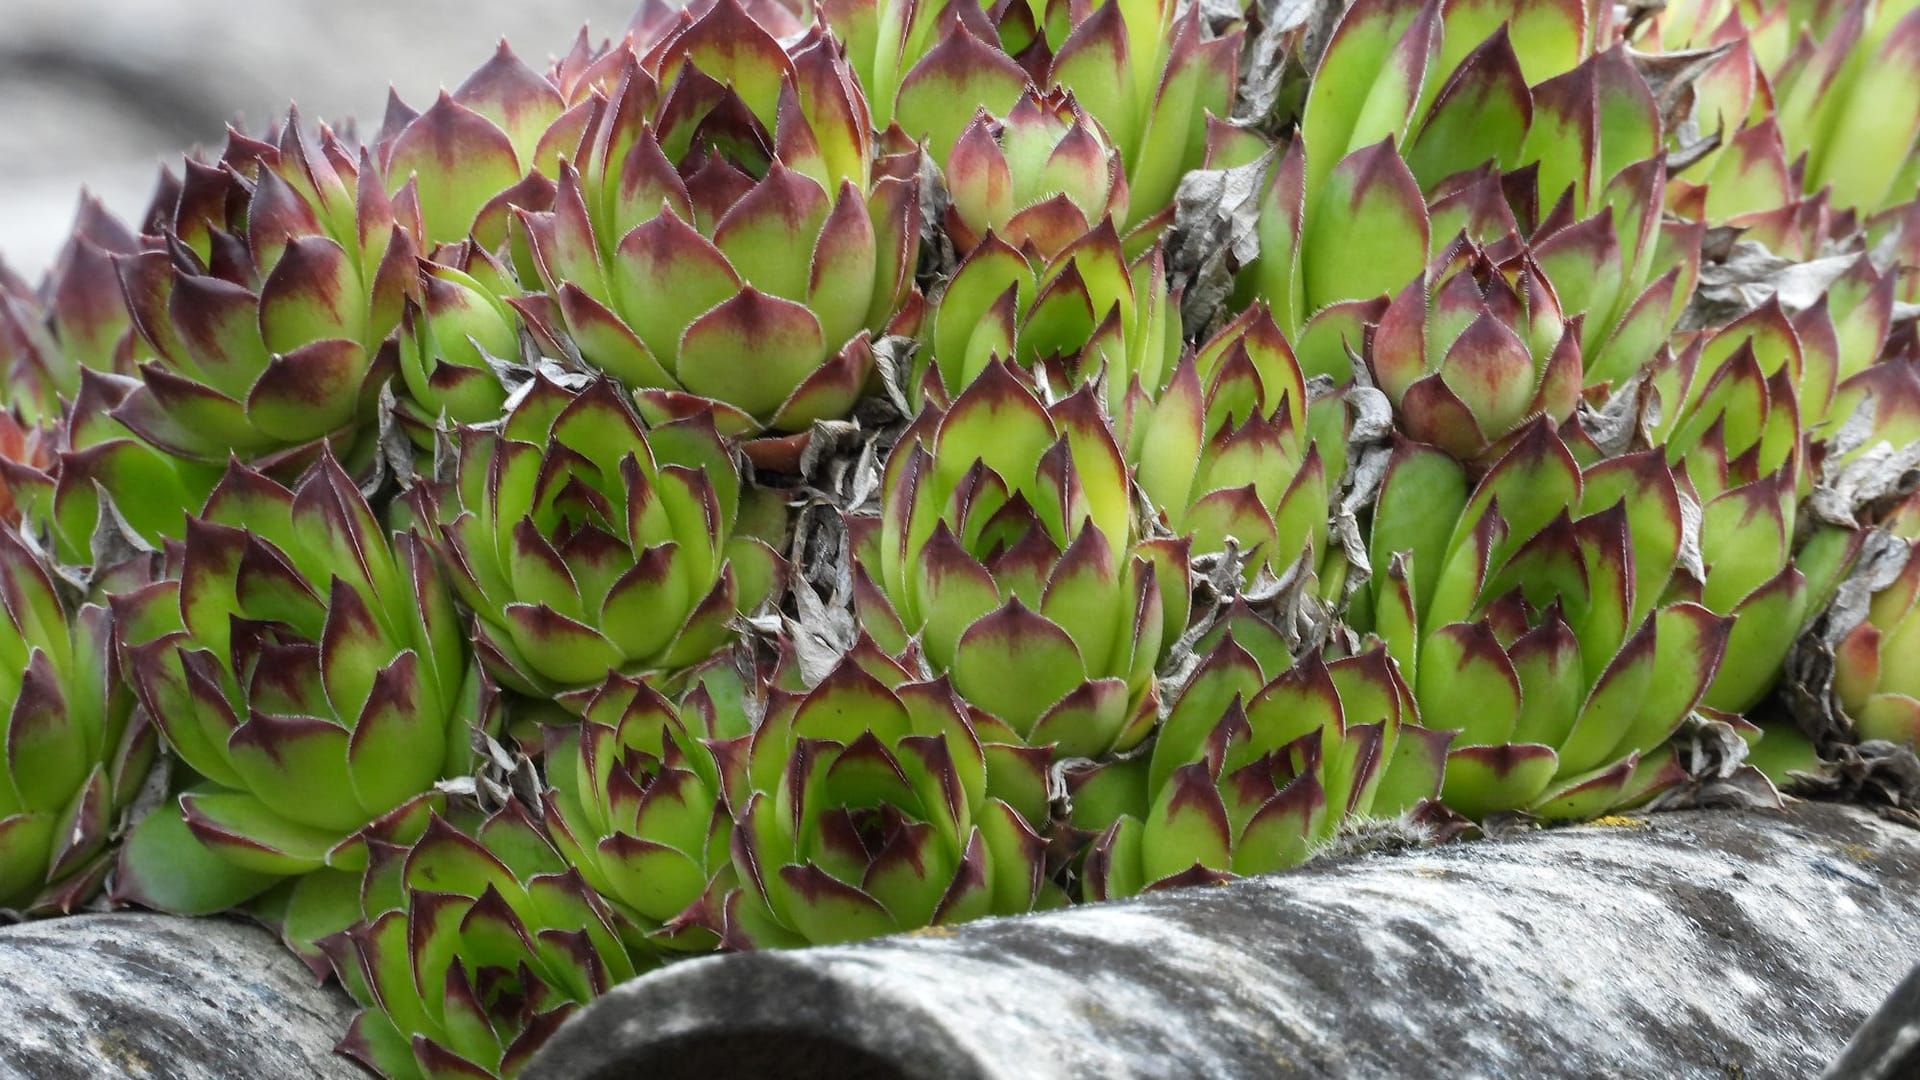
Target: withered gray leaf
{"points": [[821, 634], [1806, 687], [1215, 231], [893, 356], [1854, 473], [1749, 275], [1883, 556], [1623, 423], [1670, 75], [1714, 756], [1279, 59], [396, 458], [1875, 771]]}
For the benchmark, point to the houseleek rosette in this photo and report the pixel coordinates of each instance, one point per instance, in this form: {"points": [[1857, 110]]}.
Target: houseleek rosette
{"points": [[1872, 676], [76, 320], [1005, 546], [35, 368], [916, 61], [637, 804], [584, 544], [866, 811], [1598, 182], [1858, 308], [1389, 170], [693, 253], [286, 270], [1824, 102], [1472, 352], [1151, 76], [1851, 105], [1231, 448], [1876, 685], [1753, 39], [1529, 612], [69, 350], [1040, 177], [1146, 71], [26, 452], [1258, 762], [450, 339], [1875, 413], [76, 751], [59, 484], [310, 670], [1737, 437], [491, 144], [1737, 395], [474, 944], [1086, 314], [1627, 272]]}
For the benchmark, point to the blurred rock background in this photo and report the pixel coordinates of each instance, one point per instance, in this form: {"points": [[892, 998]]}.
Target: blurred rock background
{"points": [[101, 92]]}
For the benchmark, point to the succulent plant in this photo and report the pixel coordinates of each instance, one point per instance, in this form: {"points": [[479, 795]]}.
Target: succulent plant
{"points": [[585, 544], [475, 943], [1146, 70], [309, 670], [77, 319], [1624, 270], [286, 270], [1748, 184], [1872, 677], [1788, 92], [1343, 218], [865, 810], [1579, 143], [489, 145], [62, 475], [915, 61], [450, 338], [1527, 611], [1473, 352], [76, 750], [1326, 282], [638, 806], [1757, 37], [1411, 468], [691, 253], [1085, 315], [1858, 310], [1773, 573], [1038, 179], [1737, 392], [1875, 412], [1151, 76], [1232, 449], [1737, 435], [1899, 231], [1249, 774], [26, 452], [1851, 104], [1005, 546]]}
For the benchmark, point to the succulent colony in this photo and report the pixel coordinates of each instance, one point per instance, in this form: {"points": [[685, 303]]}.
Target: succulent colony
{"points": [[786, 476]]}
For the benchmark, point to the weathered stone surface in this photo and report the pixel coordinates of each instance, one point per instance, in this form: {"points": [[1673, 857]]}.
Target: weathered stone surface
{"points": [[1697, 944], [1887, 1046], [138, 995]]}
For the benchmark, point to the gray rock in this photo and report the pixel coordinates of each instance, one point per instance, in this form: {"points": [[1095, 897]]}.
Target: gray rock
{"points": [[1688, 944], [139, 995], [1887, 1046]]}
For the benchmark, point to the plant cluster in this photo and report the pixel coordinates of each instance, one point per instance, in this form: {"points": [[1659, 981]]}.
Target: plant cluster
{"points": [[782, 477]]}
